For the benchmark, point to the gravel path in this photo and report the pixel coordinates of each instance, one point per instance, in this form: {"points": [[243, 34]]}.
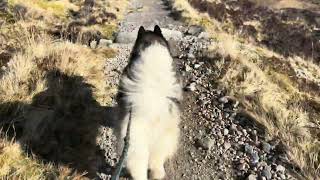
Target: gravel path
{"points": [[217, 140]]}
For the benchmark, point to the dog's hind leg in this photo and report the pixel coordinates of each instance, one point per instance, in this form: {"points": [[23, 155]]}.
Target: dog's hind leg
{"points": [[138, 153], [164, 149]]}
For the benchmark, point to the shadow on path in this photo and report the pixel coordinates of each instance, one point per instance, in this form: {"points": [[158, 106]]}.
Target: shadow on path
{"points": [[61, 124]]}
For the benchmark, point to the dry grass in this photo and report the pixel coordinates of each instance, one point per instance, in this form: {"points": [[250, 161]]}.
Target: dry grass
{"points": [[50, 86], [14, 164], [39, 54], [273, 89], [46, 8], [276, 4], [25, 76]]}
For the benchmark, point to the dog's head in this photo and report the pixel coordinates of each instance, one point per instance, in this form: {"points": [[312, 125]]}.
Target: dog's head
{"points": [[147, 38]]}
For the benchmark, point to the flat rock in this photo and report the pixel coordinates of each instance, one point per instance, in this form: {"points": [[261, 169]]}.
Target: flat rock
{"points": [[104, 43]]}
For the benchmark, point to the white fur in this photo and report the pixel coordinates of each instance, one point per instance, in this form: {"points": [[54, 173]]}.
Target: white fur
{"points": [[155, 118]]}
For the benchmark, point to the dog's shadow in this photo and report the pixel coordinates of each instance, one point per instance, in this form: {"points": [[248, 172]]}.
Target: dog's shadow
{"points": [[61, 124]]}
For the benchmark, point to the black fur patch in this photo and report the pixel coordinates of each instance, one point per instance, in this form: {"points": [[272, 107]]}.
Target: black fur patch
{"points": [[146, 38]]}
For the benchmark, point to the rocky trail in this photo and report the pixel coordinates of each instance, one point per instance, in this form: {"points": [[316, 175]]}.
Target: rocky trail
{"points": [[218, 140]]}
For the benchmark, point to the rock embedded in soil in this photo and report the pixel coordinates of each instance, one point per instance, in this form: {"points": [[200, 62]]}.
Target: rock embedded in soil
{"points": [[93, 44], [266, 173], [280, 168], [104, 43], [195, 30], [227, 145], [174, 48], [188, 68], [191, 55], [248, 149], [206, 143], [266, 147], [225, 132], [252, 177], [192, 86], [223, 100], [255, 157], [204, 35]]}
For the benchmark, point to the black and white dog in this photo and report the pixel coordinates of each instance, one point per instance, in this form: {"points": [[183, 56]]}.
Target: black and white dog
{"points": [[150, 87]]}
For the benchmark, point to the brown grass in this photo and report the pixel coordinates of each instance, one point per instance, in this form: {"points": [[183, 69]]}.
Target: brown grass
{"points": [[25, 77], [270, 89], [50, 87], [14, 164], [275, 4]]}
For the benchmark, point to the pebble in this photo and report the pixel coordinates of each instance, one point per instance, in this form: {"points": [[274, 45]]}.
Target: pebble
{"points": [[266, 173], [241, 167], [236, 104], [93, 44], [266, 147], [192, 86], [223, 100], [280, 168], [282, 176], [191, 56], [196, 66], [194, 30], [248, 149], [206, 143], [188, 68], [225, 132], [255, 157], [233, 127], [227, 145], [204, 35], [252, 177]]}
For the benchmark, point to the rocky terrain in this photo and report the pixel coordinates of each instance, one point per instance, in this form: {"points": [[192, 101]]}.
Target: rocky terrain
{"points": [[218, 140], [251, 96]]}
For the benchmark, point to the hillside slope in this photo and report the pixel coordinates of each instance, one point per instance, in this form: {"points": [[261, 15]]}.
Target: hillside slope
{"points": [[52, 85], [270, 63]]}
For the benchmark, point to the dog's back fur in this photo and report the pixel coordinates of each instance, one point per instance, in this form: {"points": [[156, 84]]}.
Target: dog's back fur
{"points": [[149, 86]]}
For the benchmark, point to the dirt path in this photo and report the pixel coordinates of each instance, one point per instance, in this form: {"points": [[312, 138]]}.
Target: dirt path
{"points": [[217, 142]]}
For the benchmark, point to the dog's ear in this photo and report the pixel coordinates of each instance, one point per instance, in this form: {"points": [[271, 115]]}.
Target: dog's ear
{"points": [[157, 30], [141, 31]]}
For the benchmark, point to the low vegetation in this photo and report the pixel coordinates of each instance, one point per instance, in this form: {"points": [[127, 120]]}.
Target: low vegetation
{"points": [[275, 82], [52, 85]]}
